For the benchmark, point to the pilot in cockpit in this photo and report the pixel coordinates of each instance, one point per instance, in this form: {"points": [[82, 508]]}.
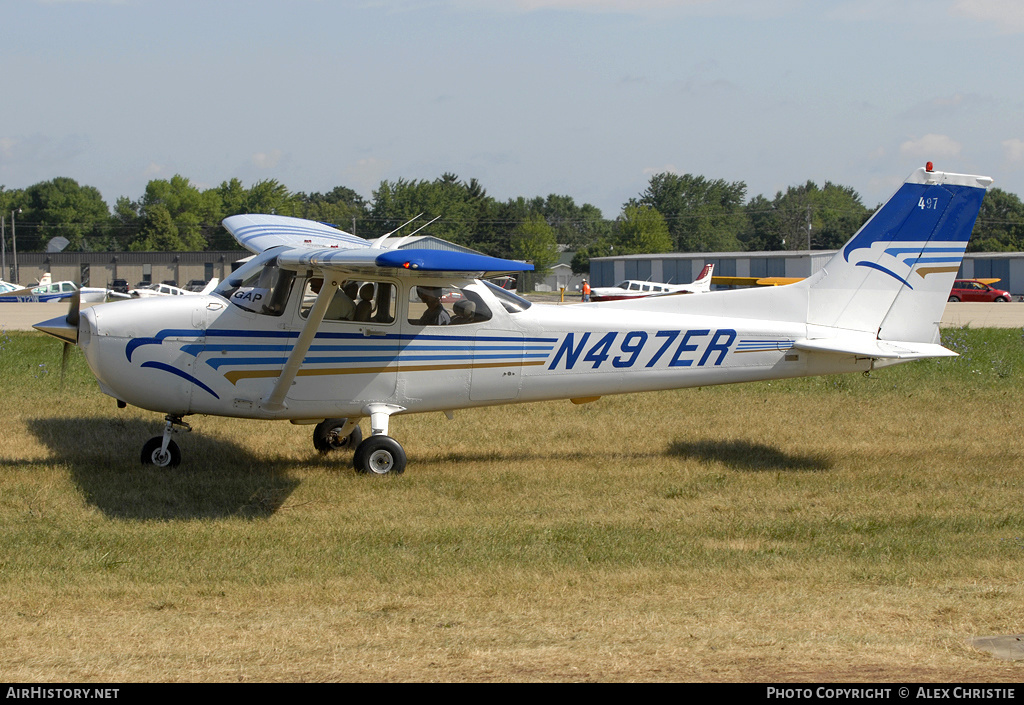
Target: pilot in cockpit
{"points": [[435, 315]]}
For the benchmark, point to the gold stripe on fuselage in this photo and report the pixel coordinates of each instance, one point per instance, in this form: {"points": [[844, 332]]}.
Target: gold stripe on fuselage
{"points": [[236, 375]]}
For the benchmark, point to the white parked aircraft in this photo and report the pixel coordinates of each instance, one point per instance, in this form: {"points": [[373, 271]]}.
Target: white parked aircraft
{"points": [[633, 289], [276, 340], [48, 290], [144, 292]]}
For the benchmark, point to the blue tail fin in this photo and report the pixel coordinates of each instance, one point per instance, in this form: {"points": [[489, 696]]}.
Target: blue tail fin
{"points": [[893, 277]]}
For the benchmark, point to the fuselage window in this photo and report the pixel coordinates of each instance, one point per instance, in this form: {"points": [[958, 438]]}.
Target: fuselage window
{"points": [[447, 305], [355, 300]]}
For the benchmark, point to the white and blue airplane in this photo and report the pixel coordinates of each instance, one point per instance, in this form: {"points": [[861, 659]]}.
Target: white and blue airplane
{"points": [[322, 327], [48, 290]]}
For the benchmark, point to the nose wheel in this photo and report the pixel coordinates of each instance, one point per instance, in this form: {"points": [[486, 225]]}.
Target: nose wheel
{"points": [[161, 451], [153, 453]]}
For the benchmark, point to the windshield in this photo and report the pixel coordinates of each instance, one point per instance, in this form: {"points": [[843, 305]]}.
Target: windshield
{"points": [[511, 302]]}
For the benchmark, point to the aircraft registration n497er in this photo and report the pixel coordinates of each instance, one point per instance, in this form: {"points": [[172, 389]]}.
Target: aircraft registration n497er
{"points": [[322, 327]]}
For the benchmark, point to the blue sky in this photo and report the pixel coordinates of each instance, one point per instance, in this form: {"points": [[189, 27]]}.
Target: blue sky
{"points": [[587, 98]]}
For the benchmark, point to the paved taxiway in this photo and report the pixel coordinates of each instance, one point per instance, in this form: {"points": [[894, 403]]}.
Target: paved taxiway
{"points": [[1011, 315]]}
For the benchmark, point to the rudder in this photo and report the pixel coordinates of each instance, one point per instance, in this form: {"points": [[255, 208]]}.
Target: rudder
{"points": [[893, 277]]}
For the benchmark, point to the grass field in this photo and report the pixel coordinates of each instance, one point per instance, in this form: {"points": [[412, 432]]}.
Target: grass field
{"points": [[857, 528]]}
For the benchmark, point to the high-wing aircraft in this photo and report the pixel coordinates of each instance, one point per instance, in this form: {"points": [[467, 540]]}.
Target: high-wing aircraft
{"points": [[323, 328], [48, 290], [633, 289]]}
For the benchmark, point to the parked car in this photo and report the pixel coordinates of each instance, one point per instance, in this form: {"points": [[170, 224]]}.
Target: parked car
{"points": [[119, 285], [975, 290]]}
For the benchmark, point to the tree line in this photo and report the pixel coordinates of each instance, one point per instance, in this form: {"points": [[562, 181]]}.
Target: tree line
{"points": [[675, 213]]}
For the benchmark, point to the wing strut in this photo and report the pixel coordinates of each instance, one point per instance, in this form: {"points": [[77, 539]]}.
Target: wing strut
{"points": [[275, 400]]}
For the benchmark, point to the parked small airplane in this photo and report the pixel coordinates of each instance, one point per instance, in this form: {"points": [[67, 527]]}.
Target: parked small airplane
{"points": [[276, 339], [8, 286], [149, 290], [48, 290], [632, 289]]}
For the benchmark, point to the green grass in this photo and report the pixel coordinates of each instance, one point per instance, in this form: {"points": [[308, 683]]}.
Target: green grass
{"points": [[837, 528]]}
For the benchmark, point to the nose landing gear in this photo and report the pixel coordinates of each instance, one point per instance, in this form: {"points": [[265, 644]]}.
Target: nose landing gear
{"points": [[161, 451]]}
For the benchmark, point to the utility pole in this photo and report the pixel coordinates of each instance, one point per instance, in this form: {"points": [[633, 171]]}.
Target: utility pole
{"points": [[14, 243], [3, 246], [808, 227]]}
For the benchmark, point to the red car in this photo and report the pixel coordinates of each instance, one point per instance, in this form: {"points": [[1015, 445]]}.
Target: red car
{"points": [[975, 290]]}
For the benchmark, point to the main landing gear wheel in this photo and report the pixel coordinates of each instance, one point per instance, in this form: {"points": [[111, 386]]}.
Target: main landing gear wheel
{"points": [[379, 455], [327, 436], [153, 453]]}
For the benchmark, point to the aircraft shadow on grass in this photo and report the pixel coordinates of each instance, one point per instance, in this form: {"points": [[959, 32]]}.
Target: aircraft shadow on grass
{"points": [[744, 455], [739, 455], [223, 479]]}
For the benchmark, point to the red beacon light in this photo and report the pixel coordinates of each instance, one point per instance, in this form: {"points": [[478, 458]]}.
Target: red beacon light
{"points": [[929, 167]]}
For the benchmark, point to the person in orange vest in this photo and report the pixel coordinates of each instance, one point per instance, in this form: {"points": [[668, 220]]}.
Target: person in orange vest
{"points": [[586, 291]]}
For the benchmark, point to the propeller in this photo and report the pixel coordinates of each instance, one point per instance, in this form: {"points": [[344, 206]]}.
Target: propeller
{"points": [[74, 314], [65, 328]]}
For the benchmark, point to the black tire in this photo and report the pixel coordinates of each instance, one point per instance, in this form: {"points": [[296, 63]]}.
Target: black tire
{"points": [[953, 299], [151, 454], [1001, 299], [326, 439], [379, 455]]}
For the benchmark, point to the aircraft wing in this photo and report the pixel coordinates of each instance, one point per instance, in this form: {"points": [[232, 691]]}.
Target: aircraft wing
{"points": [[411, 261], [307, 243], [754, 281], [257, 233]]}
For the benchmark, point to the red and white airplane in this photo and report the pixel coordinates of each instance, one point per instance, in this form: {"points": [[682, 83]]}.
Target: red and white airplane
{"points": [[632, 289]]}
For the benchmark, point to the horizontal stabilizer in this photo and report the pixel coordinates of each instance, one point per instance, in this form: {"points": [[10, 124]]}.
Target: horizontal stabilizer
{"points": [[871, 347]]}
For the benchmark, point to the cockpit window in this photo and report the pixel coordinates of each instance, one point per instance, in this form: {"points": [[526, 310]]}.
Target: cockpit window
{"points": [[511, 302], [446, 305]]}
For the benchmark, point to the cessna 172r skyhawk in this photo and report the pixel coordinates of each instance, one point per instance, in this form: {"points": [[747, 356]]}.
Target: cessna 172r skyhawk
{"points": [[322, 327]]}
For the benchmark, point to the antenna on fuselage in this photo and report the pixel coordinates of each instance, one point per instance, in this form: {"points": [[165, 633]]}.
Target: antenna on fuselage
{"points": [[378, 243]]}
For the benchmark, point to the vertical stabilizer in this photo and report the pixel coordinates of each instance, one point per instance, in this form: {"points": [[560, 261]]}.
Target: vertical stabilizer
{"points": [[703, 282], [893, 277]]}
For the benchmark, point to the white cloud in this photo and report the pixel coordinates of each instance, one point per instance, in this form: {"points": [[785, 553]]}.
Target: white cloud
{"points": [[931, 147], [1014, 149], [267, 160], [366, 174], [1008, 15], [733, 8], [7, 145], [667, 169]]}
